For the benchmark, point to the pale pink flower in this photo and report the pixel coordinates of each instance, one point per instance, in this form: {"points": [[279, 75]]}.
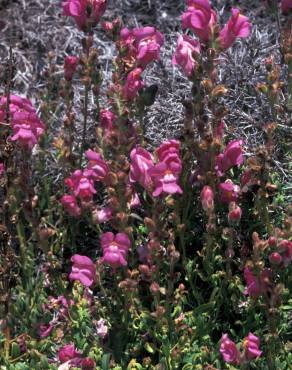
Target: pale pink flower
{"points": [[229, 351], [70, 65], [232, 156], [102, 328], [84, 12], [103, 215], [207, 198], [185, 52], [251, 344], [238, 26], [229, 192], [83, 270], [70, 204], [141, 162], [200, 18], [133, 84]]}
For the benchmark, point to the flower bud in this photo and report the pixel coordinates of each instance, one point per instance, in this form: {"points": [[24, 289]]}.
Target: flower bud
{"points": [[275, 258], [235, 213]]}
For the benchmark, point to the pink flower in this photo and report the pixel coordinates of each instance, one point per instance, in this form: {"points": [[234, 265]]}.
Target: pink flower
{"points": [[88, 363], [103, 215], [85, 12], [184, 54], [148, 41], [70, 66], [106, 119], [238, 26], [102, 329], [256, 285], [207, 198], [69, 202], [286, 5], [2, 169], [168, 147], [251, 345], [232, 156], [45, 330], [97, 165], [81, 184], [68, 352], [83, 269], [200, 18], [235, 213], [228, 191], [229, 350], [115, 249], [133, 84], [166, 174], [141, 162], [275, 258], [285, 249]]}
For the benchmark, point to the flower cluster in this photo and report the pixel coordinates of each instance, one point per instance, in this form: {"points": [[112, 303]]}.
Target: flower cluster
{"points": [[160, 177], [26, 125], [232, 355]]}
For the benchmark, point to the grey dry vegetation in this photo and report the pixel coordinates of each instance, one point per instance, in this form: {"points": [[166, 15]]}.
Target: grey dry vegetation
{"points": [[35, 27]]}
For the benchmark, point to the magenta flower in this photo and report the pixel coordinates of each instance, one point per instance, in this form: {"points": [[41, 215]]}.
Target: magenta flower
{"points": [[229, 350], [69, 202], [141, 162], [83, 270], [68, 352], [85, 12], [106, 119], [238, 26], [185, 52], [81, 184], [207, 198], [45, 330], [232, 156], [286, 6], [97, 165], [133, 84], [88, 363], [103, 215], [251, 344], [115, 249], [275, 258], [200, 18], [148, 41], [168, 147], [70, 65], [256, 285], [228, 191], [165, 175]]}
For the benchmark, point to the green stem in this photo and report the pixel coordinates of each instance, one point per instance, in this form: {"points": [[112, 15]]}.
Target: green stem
{"points": [[85, 116]]}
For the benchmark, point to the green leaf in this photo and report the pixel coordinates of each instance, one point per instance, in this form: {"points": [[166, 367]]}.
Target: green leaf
{"points": [[105, 361]]}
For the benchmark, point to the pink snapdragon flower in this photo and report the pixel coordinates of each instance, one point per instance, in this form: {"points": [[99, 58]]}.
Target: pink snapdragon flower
{"points": [[207, 198], [232, 156], [229, 192], [70, 66], [85, 12], [45, 330], [184, 55], [200, 18], [256, 285], [229, 350], [97, 165], [106, 119], [70, 204], [83, 269], [133, 84], [286, 6], [165, 175], [82, 185], [68, 352], [251, 344], [238, 26], [115, 248], [141, 162], [103, 215], [166, 148]]}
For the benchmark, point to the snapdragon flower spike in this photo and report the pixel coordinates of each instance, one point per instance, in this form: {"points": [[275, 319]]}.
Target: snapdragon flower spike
{"points": [[70, 66], [231, 157], [83, 270], [251, 345], [256, 285], [229, 351], [97, 165], [229, 192], [200, 18], [133, 84], [238, 26], [71, 206], [184, 55], [286, 6], [81, 184], [86, 13], [115, 249], [141, 162]]}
